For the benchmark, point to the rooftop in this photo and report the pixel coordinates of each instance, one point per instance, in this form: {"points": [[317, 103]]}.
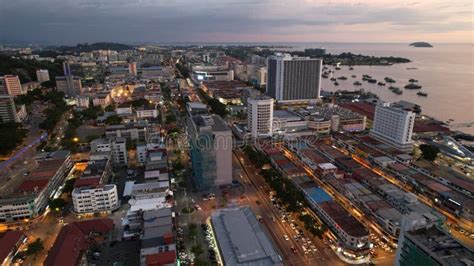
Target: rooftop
{"points": [[241, 238]]}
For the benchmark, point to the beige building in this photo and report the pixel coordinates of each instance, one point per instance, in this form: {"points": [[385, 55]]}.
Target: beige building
{"points": [[11, 85]]}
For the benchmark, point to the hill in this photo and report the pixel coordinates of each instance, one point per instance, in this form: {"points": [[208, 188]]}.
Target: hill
{"points": [[26, 69], [421, 44], [85, 47]]}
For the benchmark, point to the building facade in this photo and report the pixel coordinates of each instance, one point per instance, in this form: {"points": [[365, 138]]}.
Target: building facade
{"points": [[10, 84], [42, 75], [95, 199], [293, 78], [70, 85], [211, 151], [394, 126], [260, 116]]}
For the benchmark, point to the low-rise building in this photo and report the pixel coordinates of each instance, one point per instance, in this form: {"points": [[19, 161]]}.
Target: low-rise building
{"points": [[95, 199], [10, 242]]}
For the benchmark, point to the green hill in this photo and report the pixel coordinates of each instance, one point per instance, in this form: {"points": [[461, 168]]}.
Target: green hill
{"points": [[26, 69]]}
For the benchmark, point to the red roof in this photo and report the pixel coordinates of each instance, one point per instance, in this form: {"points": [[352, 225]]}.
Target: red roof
{"points": [[73, 239], [159, 259], [83, 182], [8, 242], [32, 185]]}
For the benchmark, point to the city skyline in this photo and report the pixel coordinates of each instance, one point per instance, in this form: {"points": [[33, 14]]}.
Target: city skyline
{"points": [[70, 22]]}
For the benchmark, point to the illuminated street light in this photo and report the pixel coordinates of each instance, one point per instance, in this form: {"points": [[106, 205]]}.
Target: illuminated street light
{"points": [[75, 139]]}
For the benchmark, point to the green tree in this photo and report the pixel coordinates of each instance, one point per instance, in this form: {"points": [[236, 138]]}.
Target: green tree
{"points": [[34, 247], [57, 204], [69, 185], [113, 120], [197, 250], [110, 108], [429, 152]]}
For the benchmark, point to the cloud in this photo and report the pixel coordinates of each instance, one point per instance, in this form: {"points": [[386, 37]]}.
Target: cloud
{"points": [[69, 21]]}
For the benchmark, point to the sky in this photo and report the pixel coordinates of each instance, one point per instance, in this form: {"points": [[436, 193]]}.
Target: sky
{"points": [[132, 21]]}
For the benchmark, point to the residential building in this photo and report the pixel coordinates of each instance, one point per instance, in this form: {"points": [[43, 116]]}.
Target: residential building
{"points": [[116, 146], [293, 78], [393, 126], [42, 75], [82, 101], [137, 131], [132, 68], [70, 85], [102, 99], [260, 116], [241, 239], [211, 151], [147, 111], [7, 109], [10, 84], [95, 199]]}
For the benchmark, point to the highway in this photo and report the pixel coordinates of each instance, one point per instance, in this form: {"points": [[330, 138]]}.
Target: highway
{"points": [[257, 189]]}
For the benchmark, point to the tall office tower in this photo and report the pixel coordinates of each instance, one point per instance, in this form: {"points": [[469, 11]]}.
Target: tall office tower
{"points": [[293, 78], [7, 109], [211, 151], [260, 116], [132, 68], [10, 84], [394, 126], [70, 85], [42, 75]]}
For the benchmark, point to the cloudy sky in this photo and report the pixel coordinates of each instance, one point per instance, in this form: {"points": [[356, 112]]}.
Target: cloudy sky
{"points": [[73, 21]]}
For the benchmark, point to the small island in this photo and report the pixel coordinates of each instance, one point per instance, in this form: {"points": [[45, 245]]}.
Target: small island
{"points": [[421, 44]]}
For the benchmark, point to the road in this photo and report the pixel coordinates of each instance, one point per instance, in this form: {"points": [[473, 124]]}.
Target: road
{"points": [[257, 189]]}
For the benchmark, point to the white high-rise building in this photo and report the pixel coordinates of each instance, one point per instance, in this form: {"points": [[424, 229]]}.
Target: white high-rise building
{"points": [[42, 75], [293, 78], [94, 199], [260, 116], [394, 126]]}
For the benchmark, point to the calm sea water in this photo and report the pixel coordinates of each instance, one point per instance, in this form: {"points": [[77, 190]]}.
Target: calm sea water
{"points": [[445, 71]]}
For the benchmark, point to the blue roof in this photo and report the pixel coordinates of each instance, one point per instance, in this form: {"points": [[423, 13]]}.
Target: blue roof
{"points": [[318, 194]]}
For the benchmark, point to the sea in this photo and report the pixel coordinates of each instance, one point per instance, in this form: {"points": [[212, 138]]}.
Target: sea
{"points": [[445, 72]]}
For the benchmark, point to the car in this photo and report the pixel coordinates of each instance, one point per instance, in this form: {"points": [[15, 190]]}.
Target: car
{"points": [[286, 237], [197, 207], [471, 236], [462, 231], [293, 249]]}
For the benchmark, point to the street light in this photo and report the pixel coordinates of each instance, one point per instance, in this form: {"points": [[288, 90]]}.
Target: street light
{"points": [[75, 139]]}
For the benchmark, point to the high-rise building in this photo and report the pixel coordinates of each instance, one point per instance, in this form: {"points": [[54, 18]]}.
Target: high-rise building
{"points": [[394, 126], [211, 151], [293, 78], [10, 84], [70, 85], [132, 68], [116, 146], [260, 116], [42, 75], [7, 109]]}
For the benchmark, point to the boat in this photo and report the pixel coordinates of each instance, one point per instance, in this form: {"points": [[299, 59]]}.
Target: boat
{"points": [[421, 93], [342, 78], [412, 80], [338, 68], [372, 81], [333, 79], [351, 68], [380, 83], [336, 83], [411, 68], [412, 86], [357, 83], [324, 76], [395, 90], [389, 80], [354, 76]]}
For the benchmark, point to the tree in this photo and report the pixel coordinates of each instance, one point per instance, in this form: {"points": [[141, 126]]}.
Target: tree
{"points": [[34, 247], [49, 84], [69, 185], [429, 152], [11, 135], [192, 230], [57, 204], [170, 119], [92, 112], [110, 108], [197, 250], [113, 120]]}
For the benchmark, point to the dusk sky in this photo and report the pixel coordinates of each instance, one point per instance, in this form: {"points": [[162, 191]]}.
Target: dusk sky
{"points": [[73, 21]]}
